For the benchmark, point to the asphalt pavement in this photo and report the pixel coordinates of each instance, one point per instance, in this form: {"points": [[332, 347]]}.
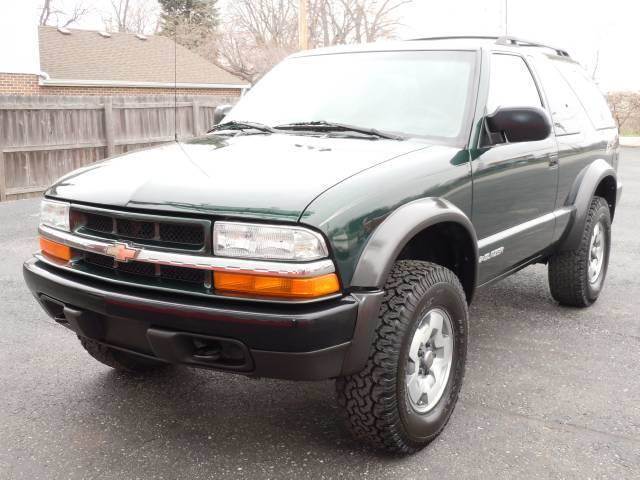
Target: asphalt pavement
{"points": [[550, 392]]}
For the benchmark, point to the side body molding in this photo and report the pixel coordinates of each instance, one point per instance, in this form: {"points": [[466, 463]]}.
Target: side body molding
{"points": [[398, 229], [579, 198]]}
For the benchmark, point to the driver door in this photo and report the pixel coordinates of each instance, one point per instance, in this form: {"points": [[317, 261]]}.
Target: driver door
{"points": [[514, 184]]}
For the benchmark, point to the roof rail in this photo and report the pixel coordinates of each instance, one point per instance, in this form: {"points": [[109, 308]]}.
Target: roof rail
{"points": [[504, 40], [514, 41], [457, 37]]}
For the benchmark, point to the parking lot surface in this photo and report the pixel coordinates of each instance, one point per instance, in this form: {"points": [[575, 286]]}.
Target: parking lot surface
{"points": [[550, 392]]}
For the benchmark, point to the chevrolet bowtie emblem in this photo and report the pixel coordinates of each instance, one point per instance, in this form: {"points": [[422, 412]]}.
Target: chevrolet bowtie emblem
{"points": [[122, 252]]}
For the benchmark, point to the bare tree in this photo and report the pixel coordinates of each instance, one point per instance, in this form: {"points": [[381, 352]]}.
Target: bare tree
{"points": [[352, 21], [144, 16], [267, 22], [595, 65], [238, 53], [120, 11], [134, 16], [256, 34], [45, 12], [51, 14], [253, 36], [625, 107]]}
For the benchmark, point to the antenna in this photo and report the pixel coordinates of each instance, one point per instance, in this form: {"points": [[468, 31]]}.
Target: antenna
{"points": [[175, 78], [506, 18]]}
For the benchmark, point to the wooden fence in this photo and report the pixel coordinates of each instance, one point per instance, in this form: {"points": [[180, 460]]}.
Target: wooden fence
{"points": [[42, 138]]}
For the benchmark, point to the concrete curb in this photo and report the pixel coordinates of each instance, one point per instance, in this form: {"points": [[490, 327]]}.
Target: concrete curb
{"points": [[630, 141]]}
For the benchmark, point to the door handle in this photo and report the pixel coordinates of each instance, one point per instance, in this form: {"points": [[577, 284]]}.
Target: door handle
{"points": [[553, 160]]}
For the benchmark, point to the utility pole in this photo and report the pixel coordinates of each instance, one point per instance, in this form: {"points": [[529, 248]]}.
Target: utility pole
{"points": [[303, 25]]}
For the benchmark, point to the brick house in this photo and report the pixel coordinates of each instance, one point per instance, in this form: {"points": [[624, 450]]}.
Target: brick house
{"points": [[84, 62]]}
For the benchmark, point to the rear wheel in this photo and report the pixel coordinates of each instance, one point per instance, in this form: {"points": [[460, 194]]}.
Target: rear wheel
{"points": [[405, 395], [576, 277], [118, 359]]}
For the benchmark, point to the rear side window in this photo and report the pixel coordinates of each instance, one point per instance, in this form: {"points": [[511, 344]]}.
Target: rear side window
{"points": [[566, 110], [511, 84], [589, 94]]}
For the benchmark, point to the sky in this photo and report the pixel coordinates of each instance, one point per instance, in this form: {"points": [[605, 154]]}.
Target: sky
{"points": [[586, 28], [583, 27]]}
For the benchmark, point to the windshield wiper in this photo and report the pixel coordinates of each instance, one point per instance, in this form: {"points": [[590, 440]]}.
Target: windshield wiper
{"points": [[324, 126], [242, 125]]}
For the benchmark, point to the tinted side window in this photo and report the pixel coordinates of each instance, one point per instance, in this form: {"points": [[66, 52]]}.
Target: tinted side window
{"points": [[591, 97], [511, 84], [566, 110]]}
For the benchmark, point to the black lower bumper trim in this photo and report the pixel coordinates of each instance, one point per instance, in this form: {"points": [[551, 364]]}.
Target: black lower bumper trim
{"points": [[316, 365], [200, 350], [305, 342]]}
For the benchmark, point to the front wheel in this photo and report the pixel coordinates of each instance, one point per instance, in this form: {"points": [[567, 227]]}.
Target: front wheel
{"points": [[405, 395]]}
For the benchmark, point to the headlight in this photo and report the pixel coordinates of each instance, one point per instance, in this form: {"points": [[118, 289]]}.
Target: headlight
{"points": [[267, 242], [55, 214]]}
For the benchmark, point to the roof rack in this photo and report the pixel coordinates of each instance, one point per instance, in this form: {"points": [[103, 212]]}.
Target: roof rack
{"points": [[458, 37], [511, 41], [504, 40]]}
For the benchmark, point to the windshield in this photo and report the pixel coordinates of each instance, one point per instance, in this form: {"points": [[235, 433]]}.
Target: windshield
{"points": [[415, 93]]}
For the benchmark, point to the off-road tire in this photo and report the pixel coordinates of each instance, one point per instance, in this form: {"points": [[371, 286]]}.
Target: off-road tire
{"points": [[118, 359], [374, 400], [568, 270]]}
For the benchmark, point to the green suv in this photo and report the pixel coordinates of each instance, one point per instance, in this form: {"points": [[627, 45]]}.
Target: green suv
{"points": [[336, 223]]}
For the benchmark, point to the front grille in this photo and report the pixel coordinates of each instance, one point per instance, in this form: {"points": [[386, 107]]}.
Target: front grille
{"points": [[137, 268], [138, 271], [99, 260], [181, 234], [99, 223], [146, 230], [182, 274], [153, 231], [139, 230]]}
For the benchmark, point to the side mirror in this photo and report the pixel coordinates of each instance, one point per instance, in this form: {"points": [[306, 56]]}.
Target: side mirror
{"points": [[520, 124], [220, 112]]}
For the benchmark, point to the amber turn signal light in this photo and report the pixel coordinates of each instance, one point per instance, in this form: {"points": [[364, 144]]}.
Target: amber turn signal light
{"points": [[54, 249], [276, 286]]}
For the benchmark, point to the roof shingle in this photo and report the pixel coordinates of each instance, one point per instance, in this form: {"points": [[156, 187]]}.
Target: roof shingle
{"points": [[123, 57]]}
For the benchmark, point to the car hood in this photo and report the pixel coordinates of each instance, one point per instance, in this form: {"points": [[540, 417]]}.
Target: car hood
{"points": [[258, 176]]}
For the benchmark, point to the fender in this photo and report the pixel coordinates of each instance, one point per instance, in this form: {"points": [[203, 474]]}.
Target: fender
{"points": [[378, 257], [582, 191], [397, 230]]}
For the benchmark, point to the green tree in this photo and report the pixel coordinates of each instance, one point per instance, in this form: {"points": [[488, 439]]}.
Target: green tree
{"points": [[193, 22]]}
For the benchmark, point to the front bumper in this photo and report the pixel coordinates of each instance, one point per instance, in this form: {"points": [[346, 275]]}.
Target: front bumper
{"points": [[618, 193], [302, 342]]}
